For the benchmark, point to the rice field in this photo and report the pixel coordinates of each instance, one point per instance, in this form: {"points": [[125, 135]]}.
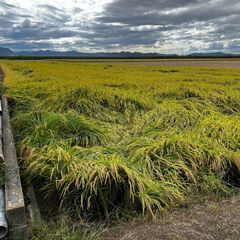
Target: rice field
{"points": [[110, 138]]}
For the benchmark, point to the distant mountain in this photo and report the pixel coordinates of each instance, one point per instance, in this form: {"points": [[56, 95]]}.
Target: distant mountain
{"points": [[49, 53], [212, 54], [6, 52]]}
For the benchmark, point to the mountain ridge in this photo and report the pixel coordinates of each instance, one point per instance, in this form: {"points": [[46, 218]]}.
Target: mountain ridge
{"points": [[6, 52]]}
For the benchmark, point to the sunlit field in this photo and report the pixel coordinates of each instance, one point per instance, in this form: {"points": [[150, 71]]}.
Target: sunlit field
{"points": [[114, 138]]}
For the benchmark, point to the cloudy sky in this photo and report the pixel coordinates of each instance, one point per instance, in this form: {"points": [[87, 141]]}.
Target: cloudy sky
{"points": [[165, 26]]}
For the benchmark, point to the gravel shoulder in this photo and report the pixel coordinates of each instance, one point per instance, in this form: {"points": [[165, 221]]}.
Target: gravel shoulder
{"points": [[208, 221]]}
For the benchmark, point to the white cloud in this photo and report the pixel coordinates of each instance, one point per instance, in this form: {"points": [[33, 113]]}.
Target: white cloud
{"points": [[78, 10], [169, 26]]}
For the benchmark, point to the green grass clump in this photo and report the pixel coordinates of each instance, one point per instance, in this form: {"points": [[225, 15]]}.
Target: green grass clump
{"points": [[63, 229], [125, 138], [47, 128]]}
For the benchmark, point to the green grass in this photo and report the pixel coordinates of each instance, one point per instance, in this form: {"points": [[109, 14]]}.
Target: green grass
{"points": [[110, 139], [64, 230]]}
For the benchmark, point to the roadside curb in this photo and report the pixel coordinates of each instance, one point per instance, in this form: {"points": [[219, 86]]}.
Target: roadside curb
{"points": [[14, 200]]}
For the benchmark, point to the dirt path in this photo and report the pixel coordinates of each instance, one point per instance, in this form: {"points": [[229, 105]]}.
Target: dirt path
{"points": [[234, 64], [210, 63], [209, 221]]}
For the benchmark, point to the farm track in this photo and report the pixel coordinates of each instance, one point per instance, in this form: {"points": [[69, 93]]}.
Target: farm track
{"points": [[230, 64], [209, 221]]}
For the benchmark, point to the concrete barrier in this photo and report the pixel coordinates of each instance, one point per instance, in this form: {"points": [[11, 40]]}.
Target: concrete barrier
{"points": [[14, 200]]}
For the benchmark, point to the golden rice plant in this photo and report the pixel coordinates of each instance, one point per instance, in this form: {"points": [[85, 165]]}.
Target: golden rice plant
{"points": [[125, 137]]}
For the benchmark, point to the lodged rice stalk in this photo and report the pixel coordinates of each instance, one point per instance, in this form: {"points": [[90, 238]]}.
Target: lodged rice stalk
{"points": [[125, 138], [98, 182]]}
